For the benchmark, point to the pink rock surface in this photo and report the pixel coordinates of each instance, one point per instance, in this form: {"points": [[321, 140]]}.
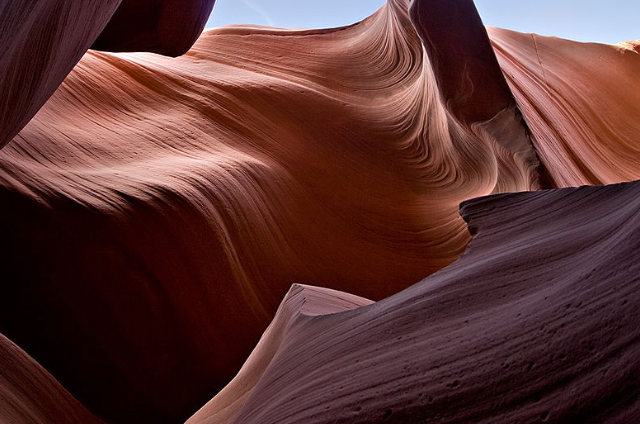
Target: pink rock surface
{"points": [[40, 42], [188, 195], [156, 210], [299, 305], [580, 101], [536, 322]]}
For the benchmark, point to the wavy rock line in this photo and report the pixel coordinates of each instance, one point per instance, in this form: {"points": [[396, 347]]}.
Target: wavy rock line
{"points": [[30, 395], [300, 304], [580, 101], [41, 42], [188, 195], [536, 322], [156, 210]]}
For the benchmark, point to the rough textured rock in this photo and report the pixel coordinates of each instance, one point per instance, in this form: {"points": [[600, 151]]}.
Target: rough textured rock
{"points": [[168, 27], [155, 211], [580, 101], [30, 395], [41, 41], [188, 195], [536, 322]]}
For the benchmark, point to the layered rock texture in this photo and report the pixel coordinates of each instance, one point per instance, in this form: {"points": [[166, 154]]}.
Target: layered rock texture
{"points": [[41, 42], [580, 101], [157, 210], [536, 322], [30, 395]]}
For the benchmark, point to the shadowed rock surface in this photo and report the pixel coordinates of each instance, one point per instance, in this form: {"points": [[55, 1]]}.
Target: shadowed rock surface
{"points": [[156, 210], [536, 322], [301, 302], [40, 43], [168, 27], [30, 395], [469, 77]]}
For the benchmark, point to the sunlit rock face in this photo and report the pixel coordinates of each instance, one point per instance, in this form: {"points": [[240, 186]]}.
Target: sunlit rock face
{"points": [[536, 322], [40, 42], [580, 101], [157, 210]]}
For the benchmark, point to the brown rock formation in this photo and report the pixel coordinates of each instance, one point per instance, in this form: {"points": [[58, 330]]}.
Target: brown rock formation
{"points": [[168, 27], [536, 322], [470, 80], [156, 210], [580, 101], [300, 303], [40, 42], [30, 395], [189, 194]]}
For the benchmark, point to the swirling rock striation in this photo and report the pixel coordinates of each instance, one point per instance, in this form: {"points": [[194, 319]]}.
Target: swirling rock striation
{"points": [[470, 82], [188, 195], [536, 322], [469, 77], [40, 43], [580, 101], [156, 210]]}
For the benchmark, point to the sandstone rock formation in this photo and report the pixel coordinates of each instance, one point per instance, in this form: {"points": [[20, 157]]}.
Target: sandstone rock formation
{"points": [[156, 211], [30, 395], [536, 322], [40, 42], [168, 27], [580, 101]]}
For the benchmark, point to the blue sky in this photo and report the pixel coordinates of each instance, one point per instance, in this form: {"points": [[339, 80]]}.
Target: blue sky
{"points": [[608, 21]]}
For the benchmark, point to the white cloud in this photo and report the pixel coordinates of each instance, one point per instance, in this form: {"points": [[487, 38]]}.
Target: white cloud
{"points": [[259, 11]]}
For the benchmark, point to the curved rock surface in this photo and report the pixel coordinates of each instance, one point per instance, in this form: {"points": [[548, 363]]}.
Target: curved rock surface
{"points": [[469, 77], [30, 395], [536, 322], [41, 41], [189, 194], [301, 302], [156, 210], [580, 101], [168, 27]]}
